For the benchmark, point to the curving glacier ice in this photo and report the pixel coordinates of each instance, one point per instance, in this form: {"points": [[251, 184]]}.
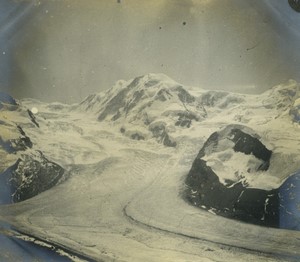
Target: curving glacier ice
{"points": [[123, 200]]}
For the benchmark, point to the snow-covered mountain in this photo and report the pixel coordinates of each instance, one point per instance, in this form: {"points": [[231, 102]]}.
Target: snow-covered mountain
{"points": [[146, 160], [25, 172], [147, 106], [156, 106], [231, 174], [228, 163]]}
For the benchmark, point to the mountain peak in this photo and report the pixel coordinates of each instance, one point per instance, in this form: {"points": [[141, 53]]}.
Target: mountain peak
{"points": [[151, 81], [138, 97], [153, 78], [154, 102]]}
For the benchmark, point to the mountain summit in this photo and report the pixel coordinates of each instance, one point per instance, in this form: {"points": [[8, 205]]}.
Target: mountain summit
{"points": [[154, 102]]}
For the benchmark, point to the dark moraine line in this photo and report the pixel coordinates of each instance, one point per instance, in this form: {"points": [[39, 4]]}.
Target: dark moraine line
{"points": [[15, 249]]}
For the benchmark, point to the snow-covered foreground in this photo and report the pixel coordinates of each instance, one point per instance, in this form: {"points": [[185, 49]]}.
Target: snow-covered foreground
{"points": [[123, 202]]}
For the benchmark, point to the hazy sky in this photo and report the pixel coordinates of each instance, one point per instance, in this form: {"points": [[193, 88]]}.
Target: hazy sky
{"points": [[64, 50]]}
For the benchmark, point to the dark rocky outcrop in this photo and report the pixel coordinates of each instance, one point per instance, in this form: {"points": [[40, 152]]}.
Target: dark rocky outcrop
{"points": [[6, 190], [32, 117], [17, 144], [31, 173], [113, 106], [23, 142], [278, 207], [137, 136], [248, 144], [185, 119], [160, 133], [184, 96], [295, 5], [7, 102], [220, 99], [29, 176]]}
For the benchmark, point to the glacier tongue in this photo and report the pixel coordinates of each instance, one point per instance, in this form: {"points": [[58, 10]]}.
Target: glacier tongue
{"points": [[123, 199]]}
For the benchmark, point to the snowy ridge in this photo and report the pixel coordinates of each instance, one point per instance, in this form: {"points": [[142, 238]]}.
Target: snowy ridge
{"points": [[123, 201], [234, 167], [25, 171], [282, 97], [147, 106], [155, 106]]}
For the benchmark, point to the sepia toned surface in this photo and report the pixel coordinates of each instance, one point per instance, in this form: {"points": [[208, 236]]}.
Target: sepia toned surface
{"points": [[149, 131], [82, 47]]}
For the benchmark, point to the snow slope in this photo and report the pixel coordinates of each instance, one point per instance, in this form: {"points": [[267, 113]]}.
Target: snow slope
{"points": [[123, 199], [24, 171]]}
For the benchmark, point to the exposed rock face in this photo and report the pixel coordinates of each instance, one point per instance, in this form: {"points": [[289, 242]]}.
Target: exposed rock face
{"points": [[220, 99], [24, 173], [6, 191], [7, 102], [13, 145], [230, 194], [32, 117], [23, 142], [29, 176], [160, 133], [248, 144]]}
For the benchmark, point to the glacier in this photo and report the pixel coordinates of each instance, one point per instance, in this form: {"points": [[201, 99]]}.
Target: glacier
{"points": [[126, 154]]}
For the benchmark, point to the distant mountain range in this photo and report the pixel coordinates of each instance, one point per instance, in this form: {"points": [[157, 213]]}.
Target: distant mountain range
{"points": [[247, 169], [226, 174]]}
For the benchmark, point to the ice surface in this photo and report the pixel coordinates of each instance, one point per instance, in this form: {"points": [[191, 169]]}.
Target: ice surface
{"points": [[123, 200]]}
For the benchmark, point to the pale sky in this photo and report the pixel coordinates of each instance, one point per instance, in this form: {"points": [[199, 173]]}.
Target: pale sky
{"points": [[63, 50]]}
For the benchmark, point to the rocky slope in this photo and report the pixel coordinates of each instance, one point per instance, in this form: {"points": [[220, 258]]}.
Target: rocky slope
{"points": [[24, 172], [212, 185]]}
